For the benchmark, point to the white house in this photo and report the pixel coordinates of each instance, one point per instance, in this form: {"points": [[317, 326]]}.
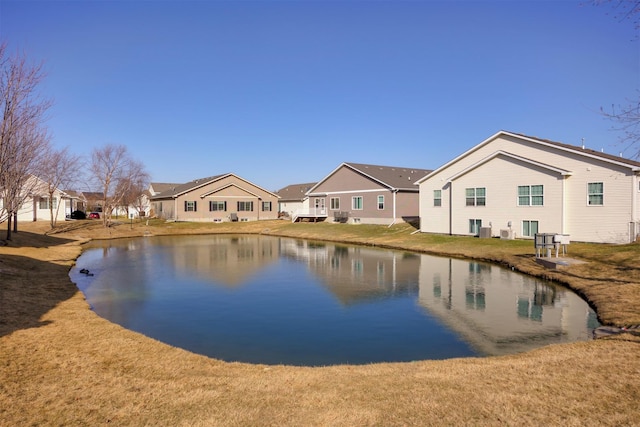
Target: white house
{"points": [[516, 185], [37, 202], [293, 198]]}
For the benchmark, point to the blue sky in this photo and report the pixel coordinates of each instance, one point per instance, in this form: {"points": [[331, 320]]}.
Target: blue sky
{"points": [[282, 92]]}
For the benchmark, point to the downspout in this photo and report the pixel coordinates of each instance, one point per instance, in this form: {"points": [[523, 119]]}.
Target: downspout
{"points": [[393, 220], [175, 209], [563, 214], [450, 208], [635, 189]]}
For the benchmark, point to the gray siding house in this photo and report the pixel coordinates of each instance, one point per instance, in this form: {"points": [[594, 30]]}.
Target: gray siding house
{"points": [[363, 193]]}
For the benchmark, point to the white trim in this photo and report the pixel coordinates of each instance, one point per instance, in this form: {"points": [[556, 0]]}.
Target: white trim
{"points": [[588, 194], [231, 184], [330, 203], [218, 178], [329, 193], [492, 156], [361, 206], [529, 139], [344, 164]]}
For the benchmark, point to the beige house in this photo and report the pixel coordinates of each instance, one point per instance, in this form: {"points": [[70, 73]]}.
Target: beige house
{"points": [[513, 185], [218, 198], [362, 193]]}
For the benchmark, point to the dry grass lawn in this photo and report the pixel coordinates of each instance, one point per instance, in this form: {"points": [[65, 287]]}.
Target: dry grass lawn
{"points": [[60, 364]]}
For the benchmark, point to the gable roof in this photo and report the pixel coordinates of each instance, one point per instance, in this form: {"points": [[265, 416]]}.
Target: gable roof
{"points": [[501, 153], [392, 177], [294, 192], [181, 189], [609, 158], [160, 187], [93, 195]]}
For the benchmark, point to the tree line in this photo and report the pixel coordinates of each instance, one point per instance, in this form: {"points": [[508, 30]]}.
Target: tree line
{"points": [[31, 167]]}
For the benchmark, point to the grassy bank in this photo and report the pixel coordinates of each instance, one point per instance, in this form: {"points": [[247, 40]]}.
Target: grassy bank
{"points": [[61, 364]]}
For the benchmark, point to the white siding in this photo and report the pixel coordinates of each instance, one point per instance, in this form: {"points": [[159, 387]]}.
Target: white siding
{"points": [[501, 179], [565, 197]]}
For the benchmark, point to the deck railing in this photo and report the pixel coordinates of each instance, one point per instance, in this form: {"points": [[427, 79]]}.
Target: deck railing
{"points": [[309, 213]]}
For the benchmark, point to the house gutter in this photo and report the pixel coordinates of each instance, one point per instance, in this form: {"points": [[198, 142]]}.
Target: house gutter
{"points": [[175, 208], [450, 208], [393, 220], [635, 189]]}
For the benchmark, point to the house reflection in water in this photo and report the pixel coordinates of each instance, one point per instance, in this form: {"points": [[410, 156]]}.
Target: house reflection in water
{"points": [[226, 260], [357, 274], [498, 311]]}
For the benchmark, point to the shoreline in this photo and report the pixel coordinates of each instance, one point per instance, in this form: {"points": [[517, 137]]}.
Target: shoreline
{"points": [[64, 365]]}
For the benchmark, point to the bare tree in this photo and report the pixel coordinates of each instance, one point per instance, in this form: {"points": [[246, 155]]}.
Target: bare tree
{"points": [[23, 139], [133, 187], [58, 171], [627, 118], [622, 10], [117, 175], [627, 121]]}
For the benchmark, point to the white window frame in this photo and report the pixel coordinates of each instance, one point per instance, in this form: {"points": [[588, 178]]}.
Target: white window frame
{"points": [[243, 205], [529, 223], [437, 198], [45, 201], [474, 226], [475, 197], [530, 196], [217, 206], [334, 203], [589, 194], [353, 203], [190, 206], [381, 202]]}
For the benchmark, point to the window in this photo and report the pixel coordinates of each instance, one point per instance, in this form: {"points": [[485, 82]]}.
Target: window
{"points": [[44, 203], [266, 206], [380, 203], [530, 195], [474, 226], [190, 206], [476, 196], [245, 206], [217, 206], [356, 203], [334, 202], [595, 194], [437, 197], [529, 228]]}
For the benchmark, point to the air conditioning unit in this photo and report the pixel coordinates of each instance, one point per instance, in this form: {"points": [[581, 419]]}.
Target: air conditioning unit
{"points": [[506, 234], [485, 232]]}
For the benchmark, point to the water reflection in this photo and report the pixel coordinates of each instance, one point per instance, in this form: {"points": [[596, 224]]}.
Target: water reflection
{"points": [[357, 274], [499, 311], [271, 300]]}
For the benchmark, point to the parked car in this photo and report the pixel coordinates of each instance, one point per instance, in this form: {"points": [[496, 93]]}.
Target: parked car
{"points": [[94, 215], [77, 215]]}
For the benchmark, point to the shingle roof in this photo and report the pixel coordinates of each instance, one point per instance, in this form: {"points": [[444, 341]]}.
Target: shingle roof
{"points": [[174, 189], [160, 187], [393, 176], [578, 148], [294, 192]]}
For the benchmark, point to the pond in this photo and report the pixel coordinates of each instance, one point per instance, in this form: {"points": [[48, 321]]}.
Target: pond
{"points": [[271, 300]]}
